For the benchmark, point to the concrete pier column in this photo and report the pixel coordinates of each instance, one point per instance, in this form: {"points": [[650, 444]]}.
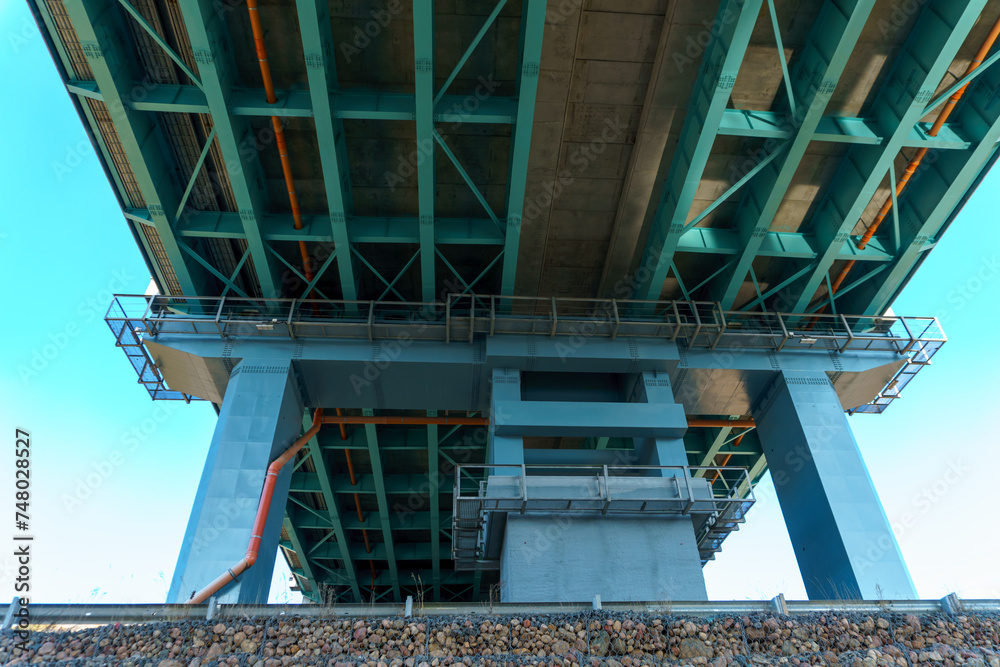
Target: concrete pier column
{"points": [[842, 539], [505, 448], [261, 416], [561, 557], [654, 388]]}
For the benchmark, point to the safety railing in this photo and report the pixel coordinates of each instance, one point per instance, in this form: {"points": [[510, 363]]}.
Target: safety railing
{"points": [[718, 501], [463, 317]]}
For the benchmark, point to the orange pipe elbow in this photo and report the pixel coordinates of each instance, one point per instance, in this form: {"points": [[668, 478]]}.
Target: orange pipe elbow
{"points": [[256, 533]]}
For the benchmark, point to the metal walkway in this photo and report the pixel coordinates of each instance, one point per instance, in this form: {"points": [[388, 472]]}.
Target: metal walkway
{"points": [[717, 505], [461, 318]]}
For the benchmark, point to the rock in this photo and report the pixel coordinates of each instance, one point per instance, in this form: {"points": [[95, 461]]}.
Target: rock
{"points": [[219, 629], [694, 648], [47, 648], [560, 647], [248, 646], [169, 663], [214, 651], [600, 644], [195, 662]]}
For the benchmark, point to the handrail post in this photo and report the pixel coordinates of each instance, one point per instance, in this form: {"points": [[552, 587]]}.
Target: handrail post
{"points": [[784, 330], [447, 319], [909, 333], [722, 326], [291, 314], [371, 319], [555, 319], [218, 316], [614, 309], [493, 314], [850, 334]]}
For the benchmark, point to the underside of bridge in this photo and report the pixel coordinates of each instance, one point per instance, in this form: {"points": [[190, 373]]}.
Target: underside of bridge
{"points": [[733, 153]]}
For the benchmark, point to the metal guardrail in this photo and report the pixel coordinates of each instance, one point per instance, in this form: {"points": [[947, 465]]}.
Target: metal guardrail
{"points": [[720, 504], [461, 317], [100, 614]]}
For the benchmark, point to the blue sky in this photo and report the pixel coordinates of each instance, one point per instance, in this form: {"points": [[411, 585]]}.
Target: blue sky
{"points": [[114, 474]]}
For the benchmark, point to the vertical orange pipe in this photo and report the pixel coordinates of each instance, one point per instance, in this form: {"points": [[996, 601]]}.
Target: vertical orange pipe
{"points": [[357, 500], [279, 132], [911, 168]]}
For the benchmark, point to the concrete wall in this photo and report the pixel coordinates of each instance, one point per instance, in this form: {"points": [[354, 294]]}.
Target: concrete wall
{"points": [[563, 558]]}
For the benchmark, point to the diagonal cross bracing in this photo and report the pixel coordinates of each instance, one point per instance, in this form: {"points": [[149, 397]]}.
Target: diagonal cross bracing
{"points": [[323, 476], [298, 546], [824, 57], [716, 77], [207, 33], [317, 44], [929, 50], [924, 210]]}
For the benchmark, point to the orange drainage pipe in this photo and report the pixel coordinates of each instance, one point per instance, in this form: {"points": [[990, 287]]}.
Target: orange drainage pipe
{"points": [[911, 168], [357, 500], [279, 131], [266, 496], [735, 423], [725, 461], [409, 421]]}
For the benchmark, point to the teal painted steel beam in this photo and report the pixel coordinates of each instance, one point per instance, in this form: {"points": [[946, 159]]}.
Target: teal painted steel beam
{"points": [[465, 231], [818, 69], [211, 269], [716, 77], [835, 129], [194, 173], [297, 544], [533, 24], [208, 34], [433, 477], [788, 245], [316, 228], [162, 43], [333, 510], [929, 50], [469, 49], [383, 503], [468, 179], [346, 104], [384, 579], [423, 59], [417, 521], [408, 551], [104, 47], [934, 193], [321, 69]]}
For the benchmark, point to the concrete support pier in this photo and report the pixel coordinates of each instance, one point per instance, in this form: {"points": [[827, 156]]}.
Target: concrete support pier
{"points": [[842, 539], [261, 416], [559, 557]]}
